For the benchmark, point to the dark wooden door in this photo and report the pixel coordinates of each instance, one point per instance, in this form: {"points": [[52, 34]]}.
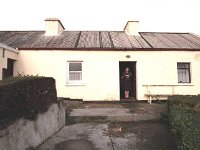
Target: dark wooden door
{"points": [[10, 68], [132, 66], [6, 73]]}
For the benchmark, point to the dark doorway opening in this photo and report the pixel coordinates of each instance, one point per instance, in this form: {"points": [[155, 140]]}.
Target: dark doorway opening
{"points": [[132, 66], [6, 73]]}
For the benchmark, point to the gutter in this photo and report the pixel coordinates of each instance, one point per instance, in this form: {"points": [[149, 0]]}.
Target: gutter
{"points": [[9, 48], [110, 49]]}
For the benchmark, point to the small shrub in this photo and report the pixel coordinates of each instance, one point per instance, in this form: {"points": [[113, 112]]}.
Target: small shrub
{"points": [[18, 77], [184, 118], [184, 100]]}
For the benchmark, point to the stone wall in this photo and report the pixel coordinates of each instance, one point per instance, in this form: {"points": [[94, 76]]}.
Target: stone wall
{"points": [[26, 134]]}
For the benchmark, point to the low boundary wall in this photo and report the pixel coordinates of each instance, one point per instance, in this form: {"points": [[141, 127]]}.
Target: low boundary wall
{"points": [[26, 134]]}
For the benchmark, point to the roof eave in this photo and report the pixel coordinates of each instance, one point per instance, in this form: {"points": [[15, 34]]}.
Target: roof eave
{"points": [[4, 46], [112, 49]]}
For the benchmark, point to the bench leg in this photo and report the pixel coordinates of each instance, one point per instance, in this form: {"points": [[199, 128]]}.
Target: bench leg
{"points": [[150, 99]]}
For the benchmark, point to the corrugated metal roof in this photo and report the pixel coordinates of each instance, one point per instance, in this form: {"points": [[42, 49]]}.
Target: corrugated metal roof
{"points": [[99, 40]]}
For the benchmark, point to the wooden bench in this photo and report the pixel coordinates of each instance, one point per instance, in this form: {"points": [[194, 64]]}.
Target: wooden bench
{"points": [[155, 96], [151, 97]]}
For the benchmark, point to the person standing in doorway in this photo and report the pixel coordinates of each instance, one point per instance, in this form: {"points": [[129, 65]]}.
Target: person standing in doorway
{"points": [[126, 82]]}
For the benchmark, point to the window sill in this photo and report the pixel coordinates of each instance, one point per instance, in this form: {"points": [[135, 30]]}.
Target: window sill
{"points": [[178, 84], [185, 84], [75, 84]]}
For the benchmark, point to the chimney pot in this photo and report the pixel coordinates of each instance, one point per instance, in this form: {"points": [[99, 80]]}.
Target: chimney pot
{"points": [[53, 27], [131, 28]]}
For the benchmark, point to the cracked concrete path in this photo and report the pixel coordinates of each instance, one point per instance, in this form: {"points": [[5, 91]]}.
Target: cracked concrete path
{"points": [[100, 112], [112, 136], [121, 112]]}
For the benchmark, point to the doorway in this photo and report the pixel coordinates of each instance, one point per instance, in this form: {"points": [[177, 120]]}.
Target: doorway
{"points": [[6, 73], [132, 66]]}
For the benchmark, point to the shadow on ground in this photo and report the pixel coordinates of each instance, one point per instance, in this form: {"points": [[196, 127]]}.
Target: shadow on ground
{"points": [[142, 136], [75, 145]]}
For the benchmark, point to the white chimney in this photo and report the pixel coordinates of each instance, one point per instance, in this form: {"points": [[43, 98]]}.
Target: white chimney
{"points": [[53, 26], [131, 28]]}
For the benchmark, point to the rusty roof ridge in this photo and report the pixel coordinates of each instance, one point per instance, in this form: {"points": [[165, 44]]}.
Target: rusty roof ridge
{"points": [[146, 40], [77, 40], [111, 41]]}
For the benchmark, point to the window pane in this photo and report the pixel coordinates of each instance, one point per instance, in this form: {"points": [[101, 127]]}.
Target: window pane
{"points": [[75, 76], [183, 65], [180, 76], [75, 66], [183, 76]]}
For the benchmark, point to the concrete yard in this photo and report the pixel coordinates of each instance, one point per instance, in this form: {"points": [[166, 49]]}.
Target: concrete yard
{"points": [[125, 126], [114, 136], [116, 112]]}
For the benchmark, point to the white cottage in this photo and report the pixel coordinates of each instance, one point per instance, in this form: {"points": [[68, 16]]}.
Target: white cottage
{"points": [[88, 65]]}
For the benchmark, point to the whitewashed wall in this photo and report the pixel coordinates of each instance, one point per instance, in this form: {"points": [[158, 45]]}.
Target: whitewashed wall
{"points": [[101, 71]]}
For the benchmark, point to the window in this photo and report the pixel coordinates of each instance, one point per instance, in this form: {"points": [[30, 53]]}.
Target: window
{"points": [[183, 72], [74, 72]]}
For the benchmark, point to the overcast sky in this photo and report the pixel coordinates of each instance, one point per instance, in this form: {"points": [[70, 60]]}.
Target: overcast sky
{"points": [[154, 15]]}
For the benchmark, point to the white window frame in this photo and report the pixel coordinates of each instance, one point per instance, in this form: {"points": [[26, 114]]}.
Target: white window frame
{"points": [[74, 82], [190, 73]]}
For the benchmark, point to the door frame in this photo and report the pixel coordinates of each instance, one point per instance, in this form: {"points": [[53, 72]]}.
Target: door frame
{"points": [[133, 67]]}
